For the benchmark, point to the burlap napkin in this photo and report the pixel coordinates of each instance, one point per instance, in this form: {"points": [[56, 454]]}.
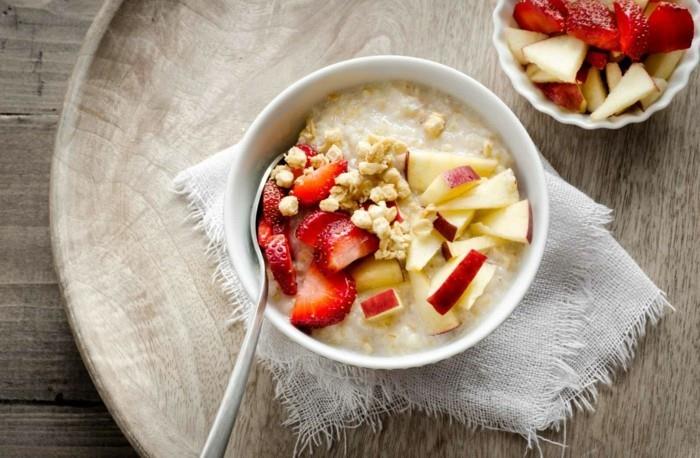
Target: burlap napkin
{"points": [[579, 321]]}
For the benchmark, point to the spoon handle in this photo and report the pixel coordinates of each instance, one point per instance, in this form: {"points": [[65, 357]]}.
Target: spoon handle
{"points": [[220, 431]]}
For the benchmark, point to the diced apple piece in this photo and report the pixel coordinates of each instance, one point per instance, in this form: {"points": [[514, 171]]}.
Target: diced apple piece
{"points": [[422, 250], [477, 286], [433, 322], [613, 74], [451, 224], [560, 56], [373, 273], [661, 85], [511, 223], [381, 305], [566, 95], [450, 282], [450, 184], [422, 166], [537, 75], [498, 191], [462, 247], [662, 65], [517, 39], [594, 89], [633, 87]]}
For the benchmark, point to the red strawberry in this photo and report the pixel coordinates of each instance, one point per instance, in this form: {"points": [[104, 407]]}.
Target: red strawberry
{"points": [[634, 29], [279, 257], [592, 22], [272, 195], [597, 59], [314, 223], [312, 188], [342, 243], [324, 298], [670, 28], [546, 16], [566, 95]]}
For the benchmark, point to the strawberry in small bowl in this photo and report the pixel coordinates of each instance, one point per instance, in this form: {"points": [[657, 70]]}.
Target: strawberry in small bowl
{"points": [[597, 63]]}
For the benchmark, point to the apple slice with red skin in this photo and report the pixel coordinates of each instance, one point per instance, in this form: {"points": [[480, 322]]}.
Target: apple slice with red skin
{"points": [[457, 277], [422, 166], [462, 247], [498, 191], [450, 184], [422, 250], [371, 273], [513, 222], [451, 224], [381, 305], [433, 322]]}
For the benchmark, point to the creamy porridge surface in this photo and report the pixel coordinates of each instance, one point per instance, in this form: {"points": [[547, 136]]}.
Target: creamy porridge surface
{"points": [[415, 118]]}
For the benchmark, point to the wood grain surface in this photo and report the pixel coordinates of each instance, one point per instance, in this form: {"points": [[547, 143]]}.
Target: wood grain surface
{"points": [[148, 319]]}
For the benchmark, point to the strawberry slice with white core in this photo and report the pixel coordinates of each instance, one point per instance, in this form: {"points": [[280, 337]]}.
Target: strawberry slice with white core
{"points": [[381, 305], [342, 243], [453, 279], [279, 257], [314, 223], [313, 187], [324, 298]]}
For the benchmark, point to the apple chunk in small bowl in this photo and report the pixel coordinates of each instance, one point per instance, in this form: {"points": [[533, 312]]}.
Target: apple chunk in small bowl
{"points": [[403, 224], [597, 63]]}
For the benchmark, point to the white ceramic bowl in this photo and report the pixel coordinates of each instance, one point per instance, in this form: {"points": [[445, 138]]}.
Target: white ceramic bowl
{"points": [[503, 17], [276, 129]]}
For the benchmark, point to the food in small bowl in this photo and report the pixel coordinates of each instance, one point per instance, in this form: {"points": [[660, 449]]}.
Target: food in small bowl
{"points": [[609, 58], [397, 105], [394, 220]]}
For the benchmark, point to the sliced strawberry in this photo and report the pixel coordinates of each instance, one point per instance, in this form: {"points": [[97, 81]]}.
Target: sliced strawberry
{"points": [[342, 243], [324, 298], [316, 186], [593, 23], [272, 195], [670, 28], [314, 223], [597, 59], [633, 27], [545, 16], [279, 257], [267, 228]]}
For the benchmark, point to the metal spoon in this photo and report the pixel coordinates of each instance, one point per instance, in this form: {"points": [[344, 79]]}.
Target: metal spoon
{"points": [[220, 431]]}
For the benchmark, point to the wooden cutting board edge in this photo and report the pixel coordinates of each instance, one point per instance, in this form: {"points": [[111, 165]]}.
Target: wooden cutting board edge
{"points": [[90, 45]]}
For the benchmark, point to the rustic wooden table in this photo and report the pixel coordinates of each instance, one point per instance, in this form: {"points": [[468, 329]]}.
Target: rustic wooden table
{"points": [[647, 173]]}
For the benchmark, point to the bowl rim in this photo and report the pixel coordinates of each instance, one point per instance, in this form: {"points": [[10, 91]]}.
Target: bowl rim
{"points": [[516, 289], [679, 79]]}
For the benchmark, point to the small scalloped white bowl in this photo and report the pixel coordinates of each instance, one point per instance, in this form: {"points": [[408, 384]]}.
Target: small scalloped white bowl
{"points": [[503, 17], [277, 127]]}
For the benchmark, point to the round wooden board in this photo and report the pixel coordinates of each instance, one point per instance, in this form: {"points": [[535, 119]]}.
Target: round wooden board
{"points": [[161, 85]]}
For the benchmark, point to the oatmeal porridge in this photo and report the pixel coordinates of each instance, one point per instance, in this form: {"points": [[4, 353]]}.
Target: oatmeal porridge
{"points": [[393, 222]]}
